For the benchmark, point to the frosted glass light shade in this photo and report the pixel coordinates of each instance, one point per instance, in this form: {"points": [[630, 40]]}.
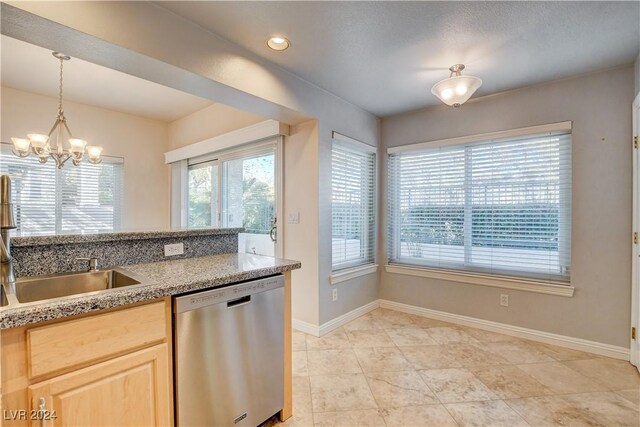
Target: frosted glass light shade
{"points": [[21, 145], [38, 140], [77, 145], [94, 152], [456, 90]]}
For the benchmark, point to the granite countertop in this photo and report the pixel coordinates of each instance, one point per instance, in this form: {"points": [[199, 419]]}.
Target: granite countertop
{"points": [[164, 278], [64, 239]]}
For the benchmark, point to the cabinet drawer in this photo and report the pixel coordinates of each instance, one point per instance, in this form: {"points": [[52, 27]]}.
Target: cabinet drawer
{"points": [[76, 342]]}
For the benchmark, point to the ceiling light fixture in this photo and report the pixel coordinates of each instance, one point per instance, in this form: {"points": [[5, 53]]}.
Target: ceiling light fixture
{"points": [[456, 90], [41, 145], [278, 43]]}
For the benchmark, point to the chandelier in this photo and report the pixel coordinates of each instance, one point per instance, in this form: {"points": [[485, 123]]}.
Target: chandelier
{"points": [[457, 89], [53, 145]]}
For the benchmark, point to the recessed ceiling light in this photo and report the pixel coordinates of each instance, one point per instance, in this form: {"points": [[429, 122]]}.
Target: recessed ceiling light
{"points": [[278, 43]]}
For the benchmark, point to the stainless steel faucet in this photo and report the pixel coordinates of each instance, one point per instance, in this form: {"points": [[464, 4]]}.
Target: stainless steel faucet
{"points": [[93, 263], [7, 222]]}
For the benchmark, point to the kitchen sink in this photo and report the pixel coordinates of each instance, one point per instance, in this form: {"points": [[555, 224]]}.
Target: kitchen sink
{"points": [[38, 288]]}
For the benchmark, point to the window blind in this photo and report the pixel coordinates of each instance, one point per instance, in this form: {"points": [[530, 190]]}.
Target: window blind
{"points": [[497, 206], [353, 186], [75, 199]]}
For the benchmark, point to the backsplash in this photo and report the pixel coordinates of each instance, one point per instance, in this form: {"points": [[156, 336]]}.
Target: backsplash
{"points": [[55, 254]]}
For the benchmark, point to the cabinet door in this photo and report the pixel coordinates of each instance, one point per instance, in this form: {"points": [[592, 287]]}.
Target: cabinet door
{"points": [[130, 390]]}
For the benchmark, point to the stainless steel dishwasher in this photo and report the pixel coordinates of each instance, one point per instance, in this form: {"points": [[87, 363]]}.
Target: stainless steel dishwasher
{"points": [[229, 354]]}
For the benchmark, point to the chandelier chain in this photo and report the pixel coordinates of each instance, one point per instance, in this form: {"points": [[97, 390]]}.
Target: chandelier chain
{"points": [[60, 90]]}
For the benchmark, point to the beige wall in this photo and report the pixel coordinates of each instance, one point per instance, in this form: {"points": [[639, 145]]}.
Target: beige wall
{"points": [[599, 106], [141, 141], [637, 75], [211, 121], [301, 240]]}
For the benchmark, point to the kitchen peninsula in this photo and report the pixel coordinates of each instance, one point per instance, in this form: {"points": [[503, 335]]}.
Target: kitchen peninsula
{"points": [[107, 354]]}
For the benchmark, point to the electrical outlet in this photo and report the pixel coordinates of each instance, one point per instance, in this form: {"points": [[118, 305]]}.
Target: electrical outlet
{"points": [[504, 300], [174, 249], [334, 294]]}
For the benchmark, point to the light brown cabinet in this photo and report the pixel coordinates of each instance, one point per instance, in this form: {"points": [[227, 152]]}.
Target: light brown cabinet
{"points": [[105, 369], [130, 390]]}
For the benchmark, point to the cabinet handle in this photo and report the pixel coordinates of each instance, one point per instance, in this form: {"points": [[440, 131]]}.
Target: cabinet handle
{"points": [[42, 406]]}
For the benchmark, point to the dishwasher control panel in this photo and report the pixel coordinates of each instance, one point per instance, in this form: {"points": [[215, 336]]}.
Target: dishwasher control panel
{"points": [[228, 293]]}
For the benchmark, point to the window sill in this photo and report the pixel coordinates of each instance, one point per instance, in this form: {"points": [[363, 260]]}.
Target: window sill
{"points": [[352, 273], [549, 287]]}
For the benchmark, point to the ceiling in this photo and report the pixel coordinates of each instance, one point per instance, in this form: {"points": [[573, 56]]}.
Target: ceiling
{"points": [[385, 56], [33, 69]]}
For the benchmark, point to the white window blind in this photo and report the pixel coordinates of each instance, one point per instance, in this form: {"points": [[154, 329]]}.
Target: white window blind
{"points": [[499, 206], [72, 200], [353, 187]]}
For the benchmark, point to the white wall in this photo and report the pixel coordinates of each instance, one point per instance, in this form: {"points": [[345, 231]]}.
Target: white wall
{"points": [[599, 106], [211, 121], [145, 40], [141, 141]]}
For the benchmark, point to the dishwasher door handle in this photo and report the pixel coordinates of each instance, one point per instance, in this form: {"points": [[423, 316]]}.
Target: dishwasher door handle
{"points": [[239, 302]]}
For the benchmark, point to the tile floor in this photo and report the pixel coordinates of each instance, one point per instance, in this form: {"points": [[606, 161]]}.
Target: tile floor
{"points": [[394, 369]]}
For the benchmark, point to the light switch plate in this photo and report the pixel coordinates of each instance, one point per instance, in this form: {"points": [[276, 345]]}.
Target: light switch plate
{"points": [[293, 218], [174, 249]]}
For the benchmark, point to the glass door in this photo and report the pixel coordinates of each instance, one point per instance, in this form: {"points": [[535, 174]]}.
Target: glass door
{"points": [[249, 199], [238, 188]]}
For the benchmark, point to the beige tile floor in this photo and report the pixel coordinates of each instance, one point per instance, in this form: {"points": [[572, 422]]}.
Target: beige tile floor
{"points": [[388, 368]]}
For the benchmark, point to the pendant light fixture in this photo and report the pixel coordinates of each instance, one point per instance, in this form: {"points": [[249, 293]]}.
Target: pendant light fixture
{"points": [[44, 146], [457, 89]]}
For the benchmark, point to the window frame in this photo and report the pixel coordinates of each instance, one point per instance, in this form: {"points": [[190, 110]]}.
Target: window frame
{"points": [[470, 273], [346, 270]]}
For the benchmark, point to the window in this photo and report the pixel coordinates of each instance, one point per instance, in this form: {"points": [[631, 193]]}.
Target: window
{"points": [[75, 199], [499, 204], [203, 195], [353, 185]]}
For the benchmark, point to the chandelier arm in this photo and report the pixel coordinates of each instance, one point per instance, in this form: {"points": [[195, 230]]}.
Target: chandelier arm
{"points": [[67, 128], [55, 126]]}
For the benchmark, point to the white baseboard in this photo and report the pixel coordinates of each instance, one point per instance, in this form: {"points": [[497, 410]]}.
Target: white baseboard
{"points": [[329, 326], [488, 325], [516, 331], [307, 328]]}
